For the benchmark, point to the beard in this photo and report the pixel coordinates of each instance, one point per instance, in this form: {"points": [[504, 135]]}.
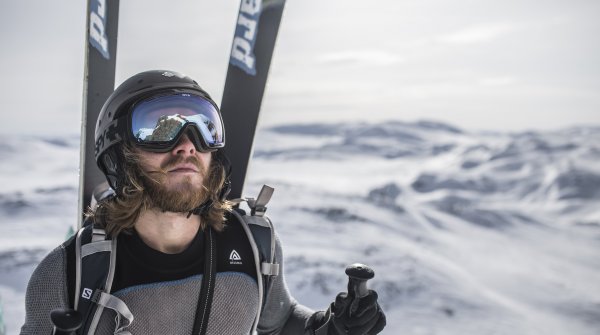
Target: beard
{"points": [[184, 195]]}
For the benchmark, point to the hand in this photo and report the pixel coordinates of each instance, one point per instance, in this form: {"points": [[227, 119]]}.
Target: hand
{"points": [[356, 316]]}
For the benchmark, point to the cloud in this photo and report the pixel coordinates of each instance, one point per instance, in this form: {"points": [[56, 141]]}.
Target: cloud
{"points": [[478, 34], [498, 81], [366, 57]]}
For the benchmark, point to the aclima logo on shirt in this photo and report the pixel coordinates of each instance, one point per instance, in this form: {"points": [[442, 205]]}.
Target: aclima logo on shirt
{"points": [[234, 258]]}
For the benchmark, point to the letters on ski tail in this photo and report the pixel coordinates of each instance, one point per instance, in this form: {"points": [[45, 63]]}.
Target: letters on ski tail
{"points": [[242, 50], [253, 43], [97, 27], [98, 84]]}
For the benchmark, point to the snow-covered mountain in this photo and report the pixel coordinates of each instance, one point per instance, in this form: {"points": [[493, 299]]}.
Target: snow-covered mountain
{"points": [[468, 233]]}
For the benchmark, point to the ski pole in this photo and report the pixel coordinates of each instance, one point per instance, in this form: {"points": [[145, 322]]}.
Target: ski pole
{"points": [[358, 274], [65, 320]]}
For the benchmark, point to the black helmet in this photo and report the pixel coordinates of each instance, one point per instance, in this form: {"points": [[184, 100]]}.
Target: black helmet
{"points": [[113, 128]]}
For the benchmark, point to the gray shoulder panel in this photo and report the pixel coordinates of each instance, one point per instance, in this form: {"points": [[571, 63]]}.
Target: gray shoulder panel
{"points": [[47, 290]]}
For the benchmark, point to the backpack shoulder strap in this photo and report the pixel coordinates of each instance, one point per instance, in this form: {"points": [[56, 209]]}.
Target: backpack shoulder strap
{"points": [[261, 235], [95, 261], [262, 231]]}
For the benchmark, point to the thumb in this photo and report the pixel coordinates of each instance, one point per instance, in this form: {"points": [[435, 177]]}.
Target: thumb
{"points": [[342, 300]]}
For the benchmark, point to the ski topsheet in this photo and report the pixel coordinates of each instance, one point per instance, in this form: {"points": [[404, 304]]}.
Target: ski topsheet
{"points": [[253, 44], [98, 84]]}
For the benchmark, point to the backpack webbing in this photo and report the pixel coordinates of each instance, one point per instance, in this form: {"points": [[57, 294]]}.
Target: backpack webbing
{"points": [[96, 260]]}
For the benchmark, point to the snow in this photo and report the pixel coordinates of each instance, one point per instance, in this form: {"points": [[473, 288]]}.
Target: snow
{"points": [[468, 233]]}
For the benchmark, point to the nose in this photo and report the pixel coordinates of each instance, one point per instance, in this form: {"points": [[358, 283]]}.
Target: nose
{"points": [[185, 146]]}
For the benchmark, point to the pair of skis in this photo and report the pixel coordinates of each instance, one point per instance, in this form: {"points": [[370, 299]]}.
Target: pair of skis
{"points": [[252, 49]]}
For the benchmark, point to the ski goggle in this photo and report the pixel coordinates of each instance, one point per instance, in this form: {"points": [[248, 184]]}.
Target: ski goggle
{"points": [[157, 124]]}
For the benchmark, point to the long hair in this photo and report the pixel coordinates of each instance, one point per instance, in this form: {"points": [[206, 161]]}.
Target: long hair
{"points": [[119, 213]]}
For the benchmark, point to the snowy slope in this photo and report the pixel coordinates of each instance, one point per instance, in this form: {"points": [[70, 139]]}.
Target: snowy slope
{"points": [[468, 233], [38, 204]]}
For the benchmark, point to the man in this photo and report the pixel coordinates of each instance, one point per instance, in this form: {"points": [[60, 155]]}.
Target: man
{"points": [[185, 261]]}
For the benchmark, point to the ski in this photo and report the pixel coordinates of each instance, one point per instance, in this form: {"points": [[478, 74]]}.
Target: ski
{"points": [[251, 52], [98, 84]]}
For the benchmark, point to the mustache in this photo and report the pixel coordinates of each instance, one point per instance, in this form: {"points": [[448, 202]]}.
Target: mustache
{"points": [[174, 161]]}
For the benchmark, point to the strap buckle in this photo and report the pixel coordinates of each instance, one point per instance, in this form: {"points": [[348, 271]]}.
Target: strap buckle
{"points": [[258, 206]]}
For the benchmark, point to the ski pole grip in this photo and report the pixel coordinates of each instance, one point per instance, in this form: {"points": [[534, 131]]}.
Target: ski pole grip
{"points": [[358, 274], [65, 320]]}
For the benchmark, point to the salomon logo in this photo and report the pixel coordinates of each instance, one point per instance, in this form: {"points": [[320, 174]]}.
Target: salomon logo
{"points": [[98, 37], [87, 293], [234, 258], [242, 50]]}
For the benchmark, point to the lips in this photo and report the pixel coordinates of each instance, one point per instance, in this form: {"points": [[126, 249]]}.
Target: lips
{"points": [[188, 167]]}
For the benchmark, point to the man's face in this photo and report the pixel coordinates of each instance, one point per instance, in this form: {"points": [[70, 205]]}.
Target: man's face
{"points": [[176, 181]]}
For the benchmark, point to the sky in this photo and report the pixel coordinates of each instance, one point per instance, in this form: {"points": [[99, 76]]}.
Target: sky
{"points": [[510, 65]]}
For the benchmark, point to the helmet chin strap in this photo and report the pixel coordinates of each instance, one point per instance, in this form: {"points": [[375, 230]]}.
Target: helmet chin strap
{"points": [[205, 207]]}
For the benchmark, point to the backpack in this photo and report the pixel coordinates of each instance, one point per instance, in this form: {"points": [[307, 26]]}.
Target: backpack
{"points": [[95, 260]]}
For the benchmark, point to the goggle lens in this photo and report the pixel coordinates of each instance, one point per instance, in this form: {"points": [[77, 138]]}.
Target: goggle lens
{"points": [[159, 121]]}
